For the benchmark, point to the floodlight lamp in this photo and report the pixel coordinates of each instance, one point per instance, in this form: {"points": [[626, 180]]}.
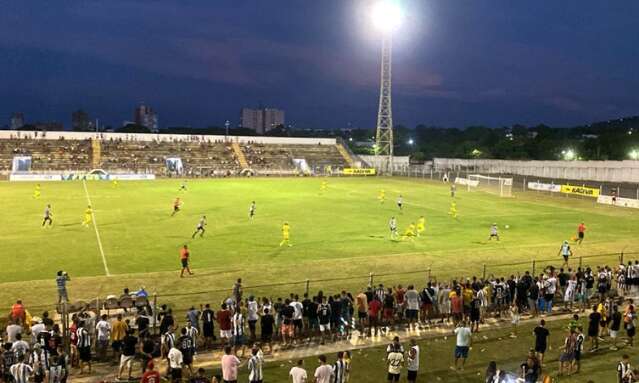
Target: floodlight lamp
{"points": [[387, 15]]}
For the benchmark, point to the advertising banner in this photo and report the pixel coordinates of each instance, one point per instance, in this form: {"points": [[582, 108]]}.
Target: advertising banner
{"points": [[580, 190]]}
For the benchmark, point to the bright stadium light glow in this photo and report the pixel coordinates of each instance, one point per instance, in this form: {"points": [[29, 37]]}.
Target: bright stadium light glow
{"points": [[410, 141], [634, 154], [387, 15], [569, 154]]}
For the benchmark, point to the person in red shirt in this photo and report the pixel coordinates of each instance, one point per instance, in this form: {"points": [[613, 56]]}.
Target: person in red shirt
{"points": [[224, 320], [151, 375], [184, 258], [457, 308], [581, 232], [374, 307], [18, 313]]}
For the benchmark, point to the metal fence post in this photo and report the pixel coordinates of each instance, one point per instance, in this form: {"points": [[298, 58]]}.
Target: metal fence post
{"points": [[370, 279], [429, 274], [308, 285], [533, 268], [621, 258], [581, 261], [484, 273], [155, 313]]}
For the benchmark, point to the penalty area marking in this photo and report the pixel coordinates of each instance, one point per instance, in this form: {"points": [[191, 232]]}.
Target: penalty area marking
{"points": [[97, 233]]}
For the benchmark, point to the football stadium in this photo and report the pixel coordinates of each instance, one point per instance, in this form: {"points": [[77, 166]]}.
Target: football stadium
{"points": [[336, 243]]}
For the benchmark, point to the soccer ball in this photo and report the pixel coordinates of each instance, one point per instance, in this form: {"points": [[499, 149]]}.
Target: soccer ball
{"points": [[506, 226]]}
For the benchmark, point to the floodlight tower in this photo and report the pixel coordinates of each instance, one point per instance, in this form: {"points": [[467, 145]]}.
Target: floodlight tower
{"points": [[386, 16]]}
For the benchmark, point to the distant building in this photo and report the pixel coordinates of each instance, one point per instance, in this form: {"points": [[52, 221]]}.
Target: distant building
{"points": [[145, 116], [80, 121], [17, 121], [273, 118], [261, 120]]}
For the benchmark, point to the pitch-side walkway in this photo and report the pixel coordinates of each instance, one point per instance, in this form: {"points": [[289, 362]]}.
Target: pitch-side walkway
{"points": [[107, 373]]}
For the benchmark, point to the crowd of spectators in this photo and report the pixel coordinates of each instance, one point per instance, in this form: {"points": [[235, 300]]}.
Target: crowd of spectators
{"points": [[249, 328]]}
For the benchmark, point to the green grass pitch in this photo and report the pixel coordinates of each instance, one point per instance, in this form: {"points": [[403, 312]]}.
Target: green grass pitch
{"points": [[341, 232], [339, 235]]}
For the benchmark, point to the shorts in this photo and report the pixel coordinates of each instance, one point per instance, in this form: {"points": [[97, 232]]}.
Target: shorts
{"points": [[581, 235], [226, 334], [565, 258], [362, 315], [238, 340], [266, 337], [298, 324], [567, 357], [393, 377], [85, 353], [577, 356], [287, 329], [116, 344], [185, 263], [411, 314], [126, 360], [461, 352], [540, 348], [613, 333], [207, 330], [176, 374], [325, 327], [388, 313], [187, 358], [411, 375]]}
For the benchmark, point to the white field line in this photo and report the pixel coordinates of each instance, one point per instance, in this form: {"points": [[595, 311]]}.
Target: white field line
{"points": [[97, 233]]}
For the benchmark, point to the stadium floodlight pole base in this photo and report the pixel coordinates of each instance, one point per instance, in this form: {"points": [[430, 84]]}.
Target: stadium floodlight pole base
{"points": [[384, 132]]}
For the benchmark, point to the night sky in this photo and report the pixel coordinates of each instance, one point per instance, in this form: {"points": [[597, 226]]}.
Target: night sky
{"points": [[456, 62]]}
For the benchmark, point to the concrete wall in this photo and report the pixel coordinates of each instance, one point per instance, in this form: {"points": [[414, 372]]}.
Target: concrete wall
{"points": [[602, 171], [5, 134]]}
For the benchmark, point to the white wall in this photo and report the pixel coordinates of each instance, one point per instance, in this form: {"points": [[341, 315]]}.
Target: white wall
{"points": [[602, 171], [5, 134]]}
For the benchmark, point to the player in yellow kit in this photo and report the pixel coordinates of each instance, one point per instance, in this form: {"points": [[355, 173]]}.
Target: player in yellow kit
{"points": [[114, 183], [323, 186], [88, 216], [36, 191], [453, 209], [410, 232], [381, 196], [421, 225], [286, 228]]}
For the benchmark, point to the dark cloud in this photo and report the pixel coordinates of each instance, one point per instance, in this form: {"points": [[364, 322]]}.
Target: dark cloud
{"points": [[489, 62]]}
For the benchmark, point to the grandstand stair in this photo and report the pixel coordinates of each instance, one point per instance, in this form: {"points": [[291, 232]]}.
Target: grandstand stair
{"points": [[240, 155], [347, 156], [96, 150]]}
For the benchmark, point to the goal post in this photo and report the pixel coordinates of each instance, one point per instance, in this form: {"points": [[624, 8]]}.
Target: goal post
{"points": [[500, 186]]}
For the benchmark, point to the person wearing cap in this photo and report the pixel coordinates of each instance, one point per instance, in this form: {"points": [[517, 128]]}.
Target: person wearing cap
{"points": [[151, 375]]}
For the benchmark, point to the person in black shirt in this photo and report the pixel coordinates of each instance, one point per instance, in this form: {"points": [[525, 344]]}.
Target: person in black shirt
{"points": [[313, 322], [615, 326], [266, 324], [208, 325], [142, 322], [541, 341], [148, 347], [128, 353], [166, 321], [287, 331], [531, 368], [8, 359], [533, 297], [593, 328], [186, 345]]}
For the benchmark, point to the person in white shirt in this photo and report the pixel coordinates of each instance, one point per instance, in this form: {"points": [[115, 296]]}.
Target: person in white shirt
{"points": [[462, 345], [394, 359], [298, 323], [175, 363], [37, 329], [103, 334], [413, 361], [324, 372], [298, 373], [20, 347]]}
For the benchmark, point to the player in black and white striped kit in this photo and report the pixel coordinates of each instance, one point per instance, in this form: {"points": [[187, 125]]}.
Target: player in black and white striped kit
{"points": [[200, 227], [339, 369], [84, 347], [21, 371], [47, 216], [252, 210]]}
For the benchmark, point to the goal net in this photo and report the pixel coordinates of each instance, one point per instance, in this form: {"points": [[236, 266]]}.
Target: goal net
{"points": [[494, 185]]}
